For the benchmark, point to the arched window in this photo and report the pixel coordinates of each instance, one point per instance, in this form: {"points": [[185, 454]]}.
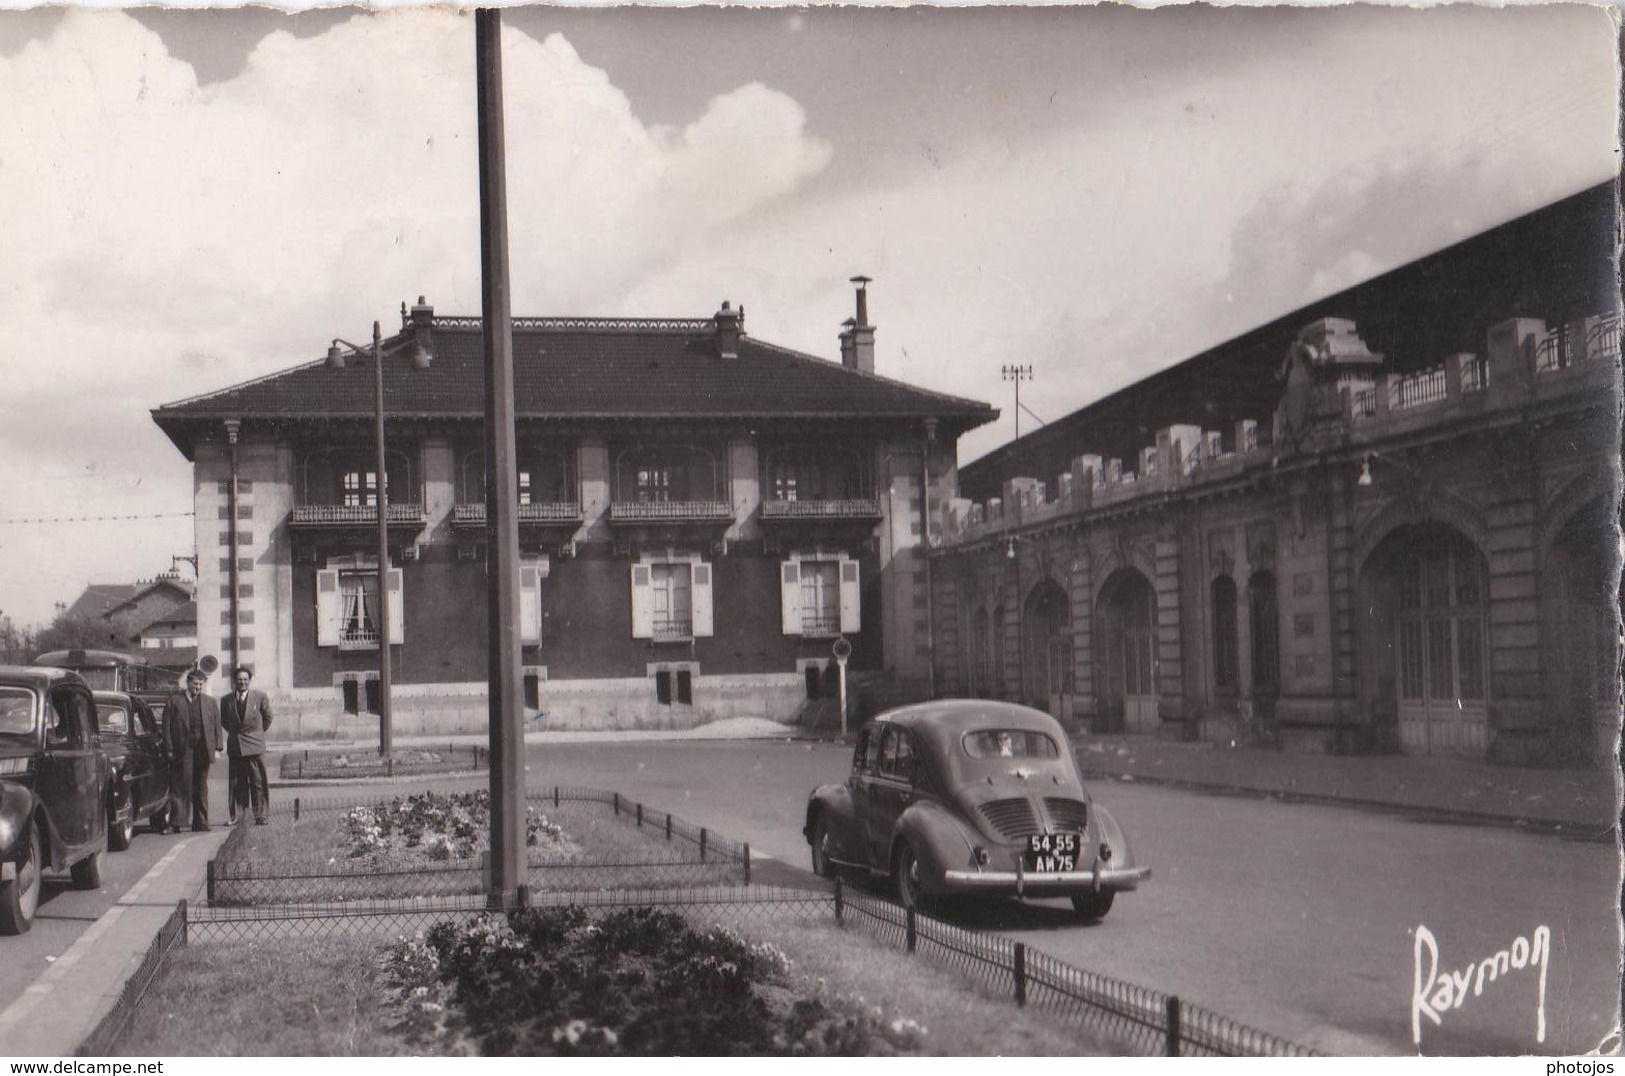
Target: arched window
{"points": [[1224, 634]]}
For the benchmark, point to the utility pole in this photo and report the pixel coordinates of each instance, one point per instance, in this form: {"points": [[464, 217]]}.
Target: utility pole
{"points": [[1018, 374], [507, 881]]}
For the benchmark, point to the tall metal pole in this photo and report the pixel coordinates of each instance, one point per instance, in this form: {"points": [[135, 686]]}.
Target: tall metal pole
{"points": [[233, 428], [386, 744], [501, 481]]}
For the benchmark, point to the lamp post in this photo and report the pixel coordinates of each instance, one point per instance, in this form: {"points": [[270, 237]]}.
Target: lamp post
{"points": [[335, 357]]}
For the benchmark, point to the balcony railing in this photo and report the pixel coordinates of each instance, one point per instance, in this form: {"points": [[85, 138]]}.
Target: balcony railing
{"points": [[350, 515], [1563, 347], [358, 639], [1413, 390], [669, 629], [815, 624], [844, 508], [543, 512], [670, 512]]}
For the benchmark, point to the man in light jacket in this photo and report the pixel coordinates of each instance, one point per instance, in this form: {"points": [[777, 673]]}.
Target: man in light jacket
{"points": [[246, 715]]}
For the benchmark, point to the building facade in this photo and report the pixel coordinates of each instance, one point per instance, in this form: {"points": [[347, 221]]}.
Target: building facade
{"points": [[1422, 561], [701, 516]]}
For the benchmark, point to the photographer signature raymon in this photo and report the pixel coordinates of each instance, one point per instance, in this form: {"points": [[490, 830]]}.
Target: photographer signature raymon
{"points": [[1437, 991]]}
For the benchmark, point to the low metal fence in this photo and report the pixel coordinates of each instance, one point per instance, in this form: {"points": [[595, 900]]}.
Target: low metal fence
{"points": [[102, 1039], [332, 764], [674, 853], [1145, 1021]]}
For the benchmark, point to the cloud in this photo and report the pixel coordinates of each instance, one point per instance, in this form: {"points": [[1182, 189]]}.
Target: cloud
{"points": [[165, 237]]}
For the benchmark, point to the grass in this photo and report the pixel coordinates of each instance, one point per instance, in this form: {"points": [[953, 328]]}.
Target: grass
{"points": [[322, 996]]}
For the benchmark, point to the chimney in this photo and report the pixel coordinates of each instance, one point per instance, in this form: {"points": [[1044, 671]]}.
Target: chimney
{"points": [[863, 334], [422, 322], [730, 326], [849, 357]]}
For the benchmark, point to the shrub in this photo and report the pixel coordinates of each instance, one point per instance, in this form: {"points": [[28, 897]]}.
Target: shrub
{"points": [[639, 981]]}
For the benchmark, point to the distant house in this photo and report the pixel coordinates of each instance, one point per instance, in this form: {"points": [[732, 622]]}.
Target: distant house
{"points": [[701, 516], [129, 611], [170, 639]]}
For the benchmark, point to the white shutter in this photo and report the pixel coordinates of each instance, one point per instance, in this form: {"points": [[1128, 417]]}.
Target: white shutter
{"points": [[850, 619], [327, 608], [642, 612], [530, 603], [397, 606], [702, 601], [790, 596]]}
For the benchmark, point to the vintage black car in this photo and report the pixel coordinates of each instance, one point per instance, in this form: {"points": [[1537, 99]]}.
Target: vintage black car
{"points": [[132, 739], [54, 787], [968, 796]]}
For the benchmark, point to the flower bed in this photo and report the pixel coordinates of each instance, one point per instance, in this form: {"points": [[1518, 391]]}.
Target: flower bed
{"points": [[638, 982], [443, 827]]}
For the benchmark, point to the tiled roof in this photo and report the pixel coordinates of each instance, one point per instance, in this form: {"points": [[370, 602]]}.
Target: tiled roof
{"points": [[584, 369], [180, 616], [100, 599]]}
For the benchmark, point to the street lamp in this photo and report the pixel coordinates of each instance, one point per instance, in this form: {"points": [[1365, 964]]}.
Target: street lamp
{"points": [[420, 359]]}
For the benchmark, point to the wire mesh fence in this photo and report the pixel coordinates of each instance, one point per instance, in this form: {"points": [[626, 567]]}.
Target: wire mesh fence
{"points": [[102, 1039]]}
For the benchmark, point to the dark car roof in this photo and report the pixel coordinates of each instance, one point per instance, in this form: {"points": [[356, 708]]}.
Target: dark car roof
{"points": [[951, 717], [39, 677], [939, 725], [94, 659]]}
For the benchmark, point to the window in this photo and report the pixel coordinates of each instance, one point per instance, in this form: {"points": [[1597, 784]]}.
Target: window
{"points": [[1224, 634], [897, 754], [671, 600], [862, 760], [654, 483], [359, 489], [347, 606], [819, 596], [1009, 743], [531, 573], [16, 711], [1441, 623], [1264, 615], [113, 719]]}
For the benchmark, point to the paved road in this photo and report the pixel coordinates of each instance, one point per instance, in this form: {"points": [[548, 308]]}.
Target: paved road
{"points": [[1296, 919]]}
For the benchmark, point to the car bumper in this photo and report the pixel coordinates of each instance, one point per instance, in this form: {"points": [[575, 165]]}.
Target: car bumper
{"points": [[1021, 883]]}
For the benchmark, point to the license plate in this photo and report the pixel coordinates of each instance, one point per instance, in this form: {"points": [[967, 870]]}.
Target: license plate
{"points": [[1051, 853]]}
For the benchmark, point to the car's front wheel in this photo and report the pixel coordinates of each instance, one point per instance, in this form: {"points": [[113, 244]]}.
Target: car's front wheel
{"points": [[1092, 906], [119, 832], [820, 847], [19, 897], [906, 875], [87, 873]]}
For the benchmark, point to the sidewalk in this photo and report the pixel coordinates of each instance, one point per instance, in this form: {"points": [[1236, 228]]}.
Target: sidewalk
{"points": [[1571, 802]]}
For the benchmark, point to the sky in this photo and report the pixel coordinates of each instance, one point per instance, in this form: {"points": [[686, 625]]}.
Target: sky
{"points": [[189, 199]]}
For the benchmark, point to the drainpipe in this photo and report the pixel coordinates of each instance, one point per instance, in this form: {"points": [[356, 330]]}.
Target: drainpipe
{"points": [[233, 427], [925, 549]]}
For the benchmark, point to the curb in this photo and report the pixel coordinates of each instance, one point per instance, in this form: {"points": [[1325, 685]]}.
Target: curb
{"points": [[1571, 830]]}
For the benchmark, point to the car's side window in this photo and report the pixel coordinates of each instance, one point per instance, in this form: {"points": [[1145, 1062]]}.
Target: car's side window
{"points": [[65, 723], [860, 754], [897, 755], [871, 749], [114, 719], [145, 722]]}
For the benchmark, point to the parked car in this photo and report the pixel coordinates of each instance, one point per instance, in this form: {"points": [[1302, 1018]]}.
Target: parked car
{"points": [[54, 787], [969, 796], [114, 670], [132, 739]]}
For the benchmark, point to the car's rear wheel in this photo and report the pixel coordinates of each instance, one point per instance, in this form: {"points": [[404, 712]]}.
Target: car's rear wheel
{"points": [[87, 873], [1092, 906], [19, 897], [820, 847], [906, 875]]}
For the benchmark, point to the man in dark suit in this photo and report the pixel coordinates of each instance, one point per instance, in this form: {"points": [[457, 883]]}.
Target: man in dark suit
{"points": [[192, 737], [246, 715]]}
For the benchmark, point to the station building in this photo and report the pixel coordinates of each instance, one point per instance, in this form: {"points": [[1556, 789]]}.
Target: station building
{"points": [[1386, 522]]}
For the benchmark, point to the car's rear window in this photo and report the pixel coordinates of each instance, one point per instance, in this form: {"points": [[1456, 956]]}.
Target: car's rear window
{"points": [[113, 718], [16, 711], [1009, 743]]}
